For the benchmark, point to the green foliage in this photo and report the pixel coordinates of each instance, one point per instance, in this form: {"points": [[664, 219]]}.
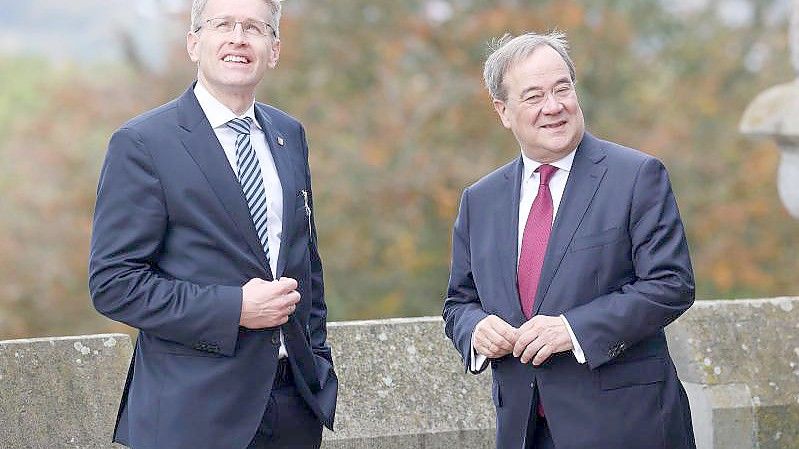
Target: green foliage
{"points": [[21, 79], [398, 122]]}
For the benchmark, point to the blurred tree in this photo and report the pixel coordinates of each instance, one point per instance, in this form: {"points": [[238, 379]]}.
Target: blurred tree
{"points": [[399, 123]]}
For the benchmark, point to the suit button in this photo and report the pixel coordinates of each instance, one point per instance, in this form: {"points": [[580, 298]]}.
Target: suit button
{"points": [[276, 339], [532, 384]]}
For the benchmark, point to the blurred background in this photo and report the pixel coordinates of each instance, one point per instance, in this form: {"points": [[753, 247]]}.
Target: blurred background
{"points": [[398, 124]]}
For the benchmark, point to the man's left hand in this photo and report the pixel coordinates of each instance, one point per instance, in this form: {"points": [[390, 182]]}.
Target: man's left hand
{"points": [[540, 337]]}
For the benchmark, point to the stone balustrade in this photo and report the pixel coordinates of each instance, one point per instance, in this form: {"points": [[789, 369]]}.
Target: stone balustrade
{"points": [[403, 385]]}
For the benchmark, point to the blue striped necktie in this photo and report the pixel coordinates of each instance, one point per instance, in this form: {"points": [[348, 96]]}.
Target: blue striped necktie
{"points": [[249, 174]]}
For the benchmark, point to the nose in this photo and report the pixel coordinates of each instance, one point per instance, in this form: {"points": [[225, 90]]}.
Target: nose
{"points": [[237, 36], [551, 105]]}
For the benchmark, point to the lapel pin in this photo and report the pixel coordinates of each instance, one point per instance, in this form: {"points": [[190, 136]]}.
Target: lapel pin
{"points": [[279, 140]]}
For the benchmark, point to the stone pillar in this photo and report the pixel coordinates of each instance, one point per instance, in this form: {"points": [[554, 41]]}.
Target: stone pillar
{"points": [[775, 114]]}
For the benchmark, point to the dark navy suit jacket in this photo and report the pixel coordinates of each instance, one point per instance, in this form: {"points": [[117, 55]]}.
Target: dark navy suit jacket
{"points": [[617, 266], [172, 244]]}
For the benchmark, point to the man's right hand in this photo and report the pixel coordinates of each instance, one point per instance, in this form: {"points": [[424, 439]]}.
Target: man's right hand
{"points": [[268, 303], [493, 337]]}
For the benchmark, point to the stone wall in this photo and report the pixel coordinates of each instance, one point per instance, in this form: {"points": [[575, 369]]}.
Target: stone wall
{"points": [[61, 392], [739, 362], [403, 385]]}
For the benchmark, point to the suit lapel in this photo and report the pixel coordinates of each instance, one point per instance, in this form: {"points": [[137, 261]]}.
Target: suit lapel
{"points": [[508, 244], [584, 179], [281, 156], [204, 147]]}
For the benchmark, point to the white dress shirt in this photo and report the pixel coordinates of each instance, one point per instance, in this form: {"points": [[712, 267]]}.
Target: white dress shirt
{"points": [[218, 116], [528, 193]]}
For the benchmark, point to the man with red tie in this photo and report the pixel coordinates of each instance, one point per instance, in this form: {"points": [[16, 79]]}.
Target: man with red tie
{"points": [[567, 264]]}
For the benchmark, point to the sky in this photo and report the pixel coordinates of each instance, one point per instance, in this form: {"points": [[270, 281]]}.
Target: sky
{"points": [[89, 31], [86, 30]]}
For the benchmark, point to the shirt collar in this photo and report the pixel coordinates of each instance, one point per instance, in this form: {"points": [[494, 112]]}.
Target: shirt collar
{"points": [[217, 113], [530, 166]]}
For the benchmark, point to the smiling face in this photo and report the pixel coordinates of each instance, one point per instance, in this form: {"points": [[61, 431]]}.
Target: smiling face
{"points": [[232, 63], [541, 108]]}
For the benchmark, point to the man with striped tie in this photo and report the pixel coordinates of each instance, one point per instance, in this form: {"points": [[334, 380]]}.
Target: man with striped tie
{"points": [[567, 263], [204, 240]]}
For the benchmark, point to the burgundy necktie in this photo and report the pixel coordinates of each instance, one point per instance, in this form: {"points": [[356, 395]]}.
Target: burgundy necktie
{"points": [[534, 246], [534, 241]]}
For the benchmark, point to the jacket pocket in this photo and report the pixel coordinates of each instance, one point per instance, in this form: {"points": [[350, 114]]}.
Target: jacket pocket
{"points": [[599, 239], [635, 372]]}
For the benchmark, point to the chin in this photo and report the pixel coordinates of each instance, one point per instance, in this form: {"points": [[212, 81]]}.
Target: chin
{"points": [[239, 82], [557, 145]]}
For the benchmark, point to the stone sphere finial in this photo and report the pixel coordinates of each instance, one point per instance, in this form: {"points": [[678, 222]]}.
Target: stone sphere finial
{"points": [[775, 114]]}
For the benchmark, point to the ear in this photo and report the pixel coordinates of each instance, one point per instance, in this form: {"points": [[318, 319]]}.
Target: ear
{"points": [[192, 40], [274, 53], [502, 110]]}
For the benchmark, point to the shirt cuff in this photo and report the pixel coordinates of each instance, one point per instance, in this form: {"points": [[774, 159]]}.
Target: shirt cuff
{"points": [[282, 351], [477, 361], [577, 350]]}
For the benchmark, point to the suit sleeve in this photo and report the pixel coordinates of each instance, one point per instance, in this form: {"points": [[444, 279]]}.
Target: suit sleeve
{"points": [[130, 223], [663, 286], [318, 319], [462, 308]]}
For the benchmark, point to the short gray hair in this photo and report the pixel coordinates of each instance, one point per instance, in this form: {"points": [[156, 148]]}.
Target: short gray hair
{"points": [[198, 6], [509, 50]]}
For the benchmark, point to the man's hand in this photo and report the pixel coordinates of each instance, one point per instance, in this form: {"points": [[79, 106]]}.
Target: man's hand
{"points": [[268, 304], [540, 337], [493, 337]]}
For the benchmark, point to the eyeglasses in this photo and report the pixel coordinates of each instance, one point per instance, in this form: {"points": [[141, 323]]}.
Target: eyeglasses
{"points": [[561, 91], [250, 27]]}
